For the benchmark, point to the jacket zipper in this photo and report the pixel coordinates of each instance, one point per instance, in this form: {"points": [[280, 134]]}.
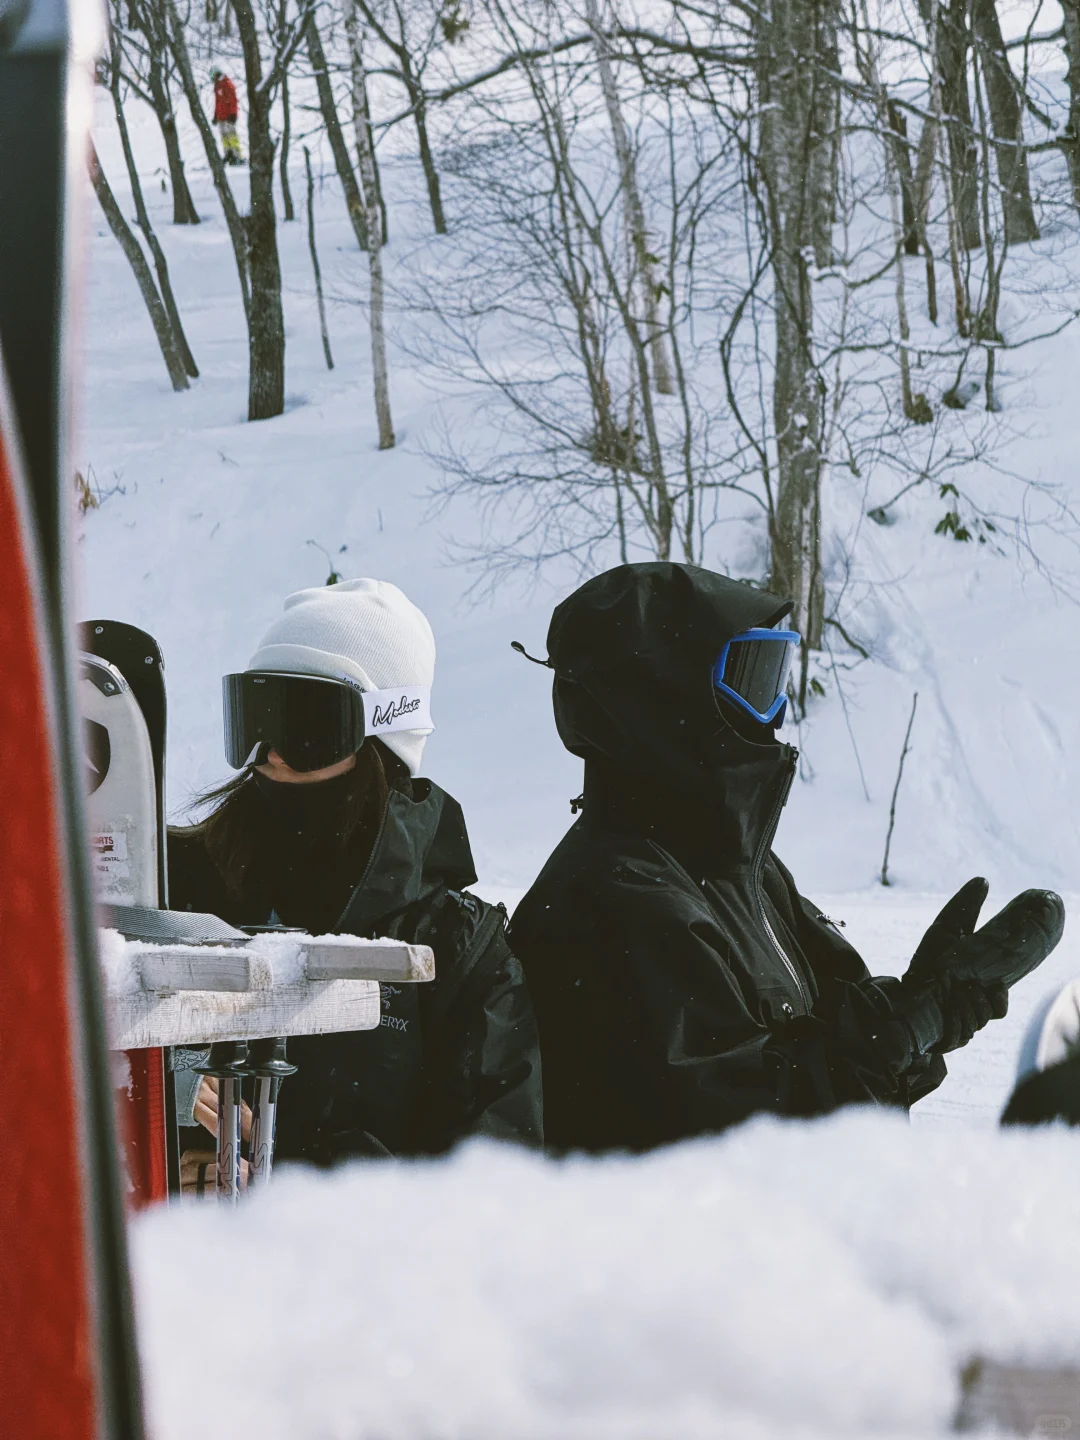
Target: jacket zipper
{"points": [[759, 859]]}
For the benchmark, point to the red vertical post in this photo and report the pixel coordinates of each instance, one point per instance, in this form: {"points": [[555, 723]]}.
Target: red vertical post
{"points": [[142, 1126], [47, 1380]]}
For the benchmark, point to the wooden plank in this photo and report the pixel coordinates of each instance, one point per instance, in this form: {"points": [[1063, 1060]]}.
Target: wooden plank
{"points": [[143, 1019], [1020, 1399], [203, 967], [398, 964]]}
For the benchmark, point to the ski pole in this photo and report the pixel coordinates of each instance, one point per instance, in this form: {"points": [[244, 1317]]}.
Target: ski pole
{"points": [[268, 1063], [228, 1062]]}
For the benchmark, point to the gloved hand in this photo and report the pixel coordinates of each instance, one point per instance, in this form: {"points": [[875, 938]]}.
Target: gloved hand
{"points": [[937, 1016], [968, 1007], [1003, 951]]}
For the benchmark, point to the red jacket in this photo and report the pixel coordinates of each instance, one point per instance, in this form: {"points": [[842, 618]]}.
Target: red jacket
{"points": [[224, 99]]}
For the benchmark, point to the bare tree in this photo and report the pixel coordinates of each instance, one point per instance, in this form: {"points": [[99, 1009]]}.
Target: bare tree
{"points": [[637, 229], [1006, 115], [266, 322], [148, 18], [315, 260], [1070, 141], [286, 115], [947, 21], [354, 200], [410, 56], [796, 41], [141, 270], [896, 135], [141, 213], [365, 144], [236, 227]]}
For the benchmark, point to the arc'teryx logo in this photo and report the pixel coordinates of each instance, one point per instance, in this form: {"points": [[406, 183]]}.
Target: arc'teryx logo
{"points": [[386, 715]]}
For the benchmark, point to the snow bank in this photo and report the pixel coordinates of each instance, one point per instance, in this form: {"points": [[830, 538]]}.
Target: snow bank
{"points": [[789, 1279]]}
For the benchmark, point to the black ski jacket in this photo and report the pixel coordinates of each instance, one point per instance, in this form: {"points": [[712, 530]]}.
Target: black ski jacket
{"points": [[455, 1057], [680, 982]]}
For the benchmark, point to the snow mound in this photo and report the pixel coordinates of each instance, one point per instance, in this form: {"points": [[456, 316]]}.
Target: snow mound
{"points": [[789, 1279]]}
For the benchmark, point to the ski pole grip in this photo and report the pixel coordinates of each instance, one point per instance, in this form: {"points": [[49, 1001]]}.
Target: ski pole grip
{"points": [[228, 1059], [268, 1058]]}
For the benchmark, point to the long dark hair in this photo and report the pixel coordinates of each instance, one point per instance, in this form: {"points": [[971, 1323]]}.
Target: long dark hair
{"points": [[232, 831]]}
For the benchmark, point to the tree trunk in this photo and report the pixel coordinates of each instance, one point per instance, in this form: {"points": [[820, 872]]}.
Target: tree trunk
{"points": [[823, 136], [141, 270], [419, 108], [795, 42], [953, 44], [266, 329], [283, 159], [937, 105], [143, 218], [236, 227], [184, 212], [1006, 118], [924, 181], [150, 22], [354, 201], [365, 144], [901, 213], [633, 209], [1070, 140], [315, 259], [362, 101], [901, 160]]}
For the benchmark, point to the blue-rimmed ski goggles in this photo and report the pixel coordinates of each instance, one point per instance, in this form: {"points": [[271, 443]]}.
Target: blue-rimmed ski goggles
{"points": [[753, 671]]}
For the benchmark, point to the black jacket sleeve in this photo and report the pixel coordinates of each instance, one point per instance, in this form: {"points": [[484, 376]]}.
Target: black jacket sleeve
{"points": [[482, 1060], [866, 1050]]}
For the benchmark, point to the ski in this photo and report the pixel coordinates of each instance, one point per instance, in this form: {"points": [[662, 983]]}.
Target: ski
{"points": [[67, 1352]]}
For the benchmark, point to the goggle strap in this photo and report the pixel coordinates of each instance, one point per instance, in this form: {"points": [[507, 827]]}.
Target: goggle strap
{"points": [[408, 707]]}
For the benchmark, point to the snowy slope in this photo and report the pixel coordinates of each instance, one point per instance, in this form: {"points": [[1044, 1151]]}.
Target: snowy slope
{"points": [[787, 1280], [207, 525]]}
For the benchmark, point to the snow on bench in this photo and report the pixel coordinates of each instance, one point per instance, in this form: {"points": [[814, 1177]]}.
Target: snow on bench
{"points": [[287, 984]]}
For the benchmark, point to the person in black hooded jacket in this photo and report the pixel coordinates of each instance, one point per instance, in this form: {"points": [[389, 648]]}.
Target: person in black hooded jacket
{"points": [[334, 835], [680, 981]]}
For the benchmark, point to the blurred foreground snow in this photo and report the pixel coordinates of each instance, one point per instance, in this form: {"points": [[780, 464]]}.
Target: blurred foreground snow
{"points": [[789, 1279]]}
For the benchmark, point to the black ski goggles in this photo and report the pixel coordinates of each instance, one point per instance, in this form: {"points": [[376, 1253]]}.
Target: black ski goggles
{"points": [[312, 722], [753, 671]]}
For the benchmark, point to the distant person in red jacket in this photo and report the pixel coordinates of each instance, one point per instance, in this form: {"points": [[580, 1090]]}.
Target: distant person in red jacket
{"points": [[225, 113]]}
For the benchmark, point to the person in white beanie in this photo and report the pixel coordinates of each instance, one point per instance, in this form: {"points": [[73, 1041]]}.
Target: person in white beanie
{"points": [[329, 827]]}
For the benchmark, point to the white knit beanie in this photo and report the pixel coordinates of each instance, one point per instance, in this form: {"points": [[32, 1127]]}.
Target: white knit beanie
{"points": [[361, 630]]}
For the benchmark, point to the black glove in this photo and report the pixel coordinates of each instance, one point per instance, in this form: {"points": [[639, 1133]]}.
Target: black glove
{"points": [[938, 1017], [1003, 951], [967, 1009]]}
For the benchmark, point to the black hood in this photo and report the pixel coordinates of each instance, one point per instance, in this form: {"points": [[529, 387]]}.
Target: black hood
{"points": [[633, 652]]}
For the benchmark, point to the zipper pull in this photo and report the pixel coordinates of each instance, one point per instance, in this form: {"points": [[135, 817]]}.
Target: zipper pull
{"points": [[828, 920]]}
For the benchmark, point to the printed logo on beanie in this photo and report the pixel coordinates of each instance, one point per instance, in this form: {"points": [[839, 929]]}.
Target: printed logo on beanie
{"points": [[406, 708]]}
